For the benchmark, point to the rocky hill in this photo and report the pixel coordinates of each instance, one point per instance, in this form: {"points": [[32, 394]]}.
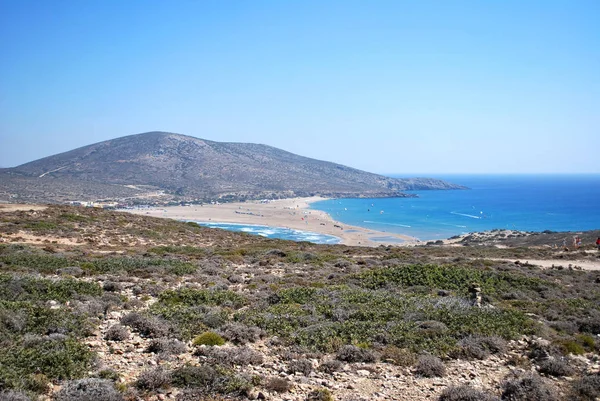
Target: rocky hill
{"points": [[173, 165]]}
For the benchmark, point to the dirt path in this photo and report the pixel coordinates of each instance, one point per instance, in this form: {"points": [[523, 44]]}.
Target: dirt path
{"points": [[548, 263]]}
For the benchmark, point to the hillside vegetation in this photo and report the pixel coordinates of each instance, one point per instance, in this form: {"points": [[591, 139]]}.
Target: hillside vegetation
{"points": [[100, 305]]}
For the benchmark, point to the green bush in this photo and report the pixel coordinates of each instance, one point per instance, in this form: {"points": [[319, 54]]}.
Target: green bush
{"points": [[572, 347], [34, 289], [188, 320], [208, 338], [138, 266], [448, 277], [33, 260], [55, 357], [18, 318], [330, 317]]}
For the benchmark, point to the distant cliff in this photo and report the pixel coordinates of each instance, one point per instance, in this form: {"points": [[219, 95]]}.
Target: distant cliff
{"points": [[159, 164]]}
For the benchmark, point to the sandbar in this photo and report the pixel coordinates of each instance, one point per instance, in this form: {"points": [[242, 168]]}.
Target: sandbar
{"points": [[294, 213]]}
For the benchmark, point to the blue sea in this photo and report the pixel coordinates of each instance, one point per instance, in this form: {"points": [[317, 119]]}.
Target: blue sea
{"points": [[520, 202]]}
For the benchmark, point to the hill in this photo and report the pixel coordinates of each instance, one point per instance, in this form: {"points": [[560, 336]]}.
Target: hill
{"points": [[166, 165]]}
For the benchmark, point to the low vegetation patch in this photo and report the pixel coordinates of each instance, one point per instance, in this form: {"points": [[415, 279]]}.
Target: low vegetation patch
{"points": [[330, 317]]}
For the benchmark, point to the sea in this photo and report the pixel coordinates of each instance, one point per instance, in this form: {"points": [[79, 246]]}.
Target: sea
{"points": [[518, 202]]}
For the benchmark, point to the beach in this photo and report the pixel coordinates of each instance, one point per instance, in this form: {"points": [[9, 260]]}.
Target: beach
{"points": [[294, 213]]}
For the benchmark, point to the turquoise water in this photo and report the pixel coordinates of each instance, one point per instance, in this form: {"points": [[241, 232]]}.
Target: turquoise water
{"points": [[521, 202], [275, 232]]}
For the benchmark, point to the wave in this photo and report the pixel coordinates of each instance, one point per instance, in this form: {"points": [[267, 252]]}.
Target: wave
{"points": [[387, 224], [466, 215], [453, 225], [274, 232]]}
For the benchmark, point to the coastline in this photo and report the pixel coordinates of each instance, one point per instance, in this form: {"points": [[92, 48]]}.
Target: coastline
{"points": [[293, 213]]}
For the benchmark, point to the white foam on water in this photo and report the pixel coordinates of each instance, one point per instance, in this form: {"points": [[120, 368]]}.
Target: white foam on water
{"points": [[387, 224], [466, 215], [274, 232]]}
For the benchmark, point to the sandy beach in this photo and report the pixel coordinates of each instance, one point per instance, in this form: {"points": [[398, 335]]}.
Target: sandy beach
{"points": [[288, 213]]}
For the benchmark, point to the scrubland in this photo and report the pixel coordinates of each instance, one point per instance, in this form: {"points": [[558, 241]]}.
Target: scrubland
{"points": [[100, 305]]}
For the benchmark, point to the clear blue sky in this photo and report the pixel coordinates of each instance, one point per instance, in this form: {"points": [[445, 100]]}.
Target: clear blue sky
{"points": [[386, 86]]}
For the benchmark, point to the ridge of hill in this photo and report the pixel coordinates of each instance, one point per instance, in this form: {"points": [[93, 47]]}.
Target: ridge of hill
{"points": [[174, 166]]}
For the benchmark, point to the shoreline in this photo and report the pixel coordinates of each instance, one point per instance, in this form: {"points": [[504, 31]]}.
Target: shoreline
{"points": [[294, 213]]}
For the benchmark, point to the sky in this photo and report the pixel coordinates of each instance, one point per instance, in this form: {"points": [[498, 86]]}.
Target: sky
{"points": [[393, 87]]}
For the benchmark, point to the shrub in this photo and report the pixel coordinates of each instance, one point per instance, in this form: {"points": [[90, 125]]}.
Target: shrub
{"points": [[55, 357], [240, 356], [208, 338], [300, 365], [278, 385], [587, 340], [541, 351], [210, 380], [320, 394], [9, 395], [239, 333], [88, 390], [166, 346], [556, 367], [528, 387], [351, 353], [587, 388], [572, 347], [116, 332], [74, 271], [153, 379], [146, 326], [330, 366], [591, 326], [111, 286], [465, 393], [110, 300], [190, 320], [430, 366], [398, 356], [477, 347], [108, 374], [41, 289], [196, 376]]}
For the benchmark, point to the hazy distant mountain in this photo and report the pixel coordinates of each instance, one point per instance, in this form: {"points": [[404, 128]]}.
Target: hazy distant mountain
{"points": [[192, 168]]}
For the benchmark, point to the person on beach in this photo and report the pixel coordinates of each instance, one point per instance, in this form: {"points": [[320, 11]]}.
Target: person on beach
{"points": [[598, 243]]}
